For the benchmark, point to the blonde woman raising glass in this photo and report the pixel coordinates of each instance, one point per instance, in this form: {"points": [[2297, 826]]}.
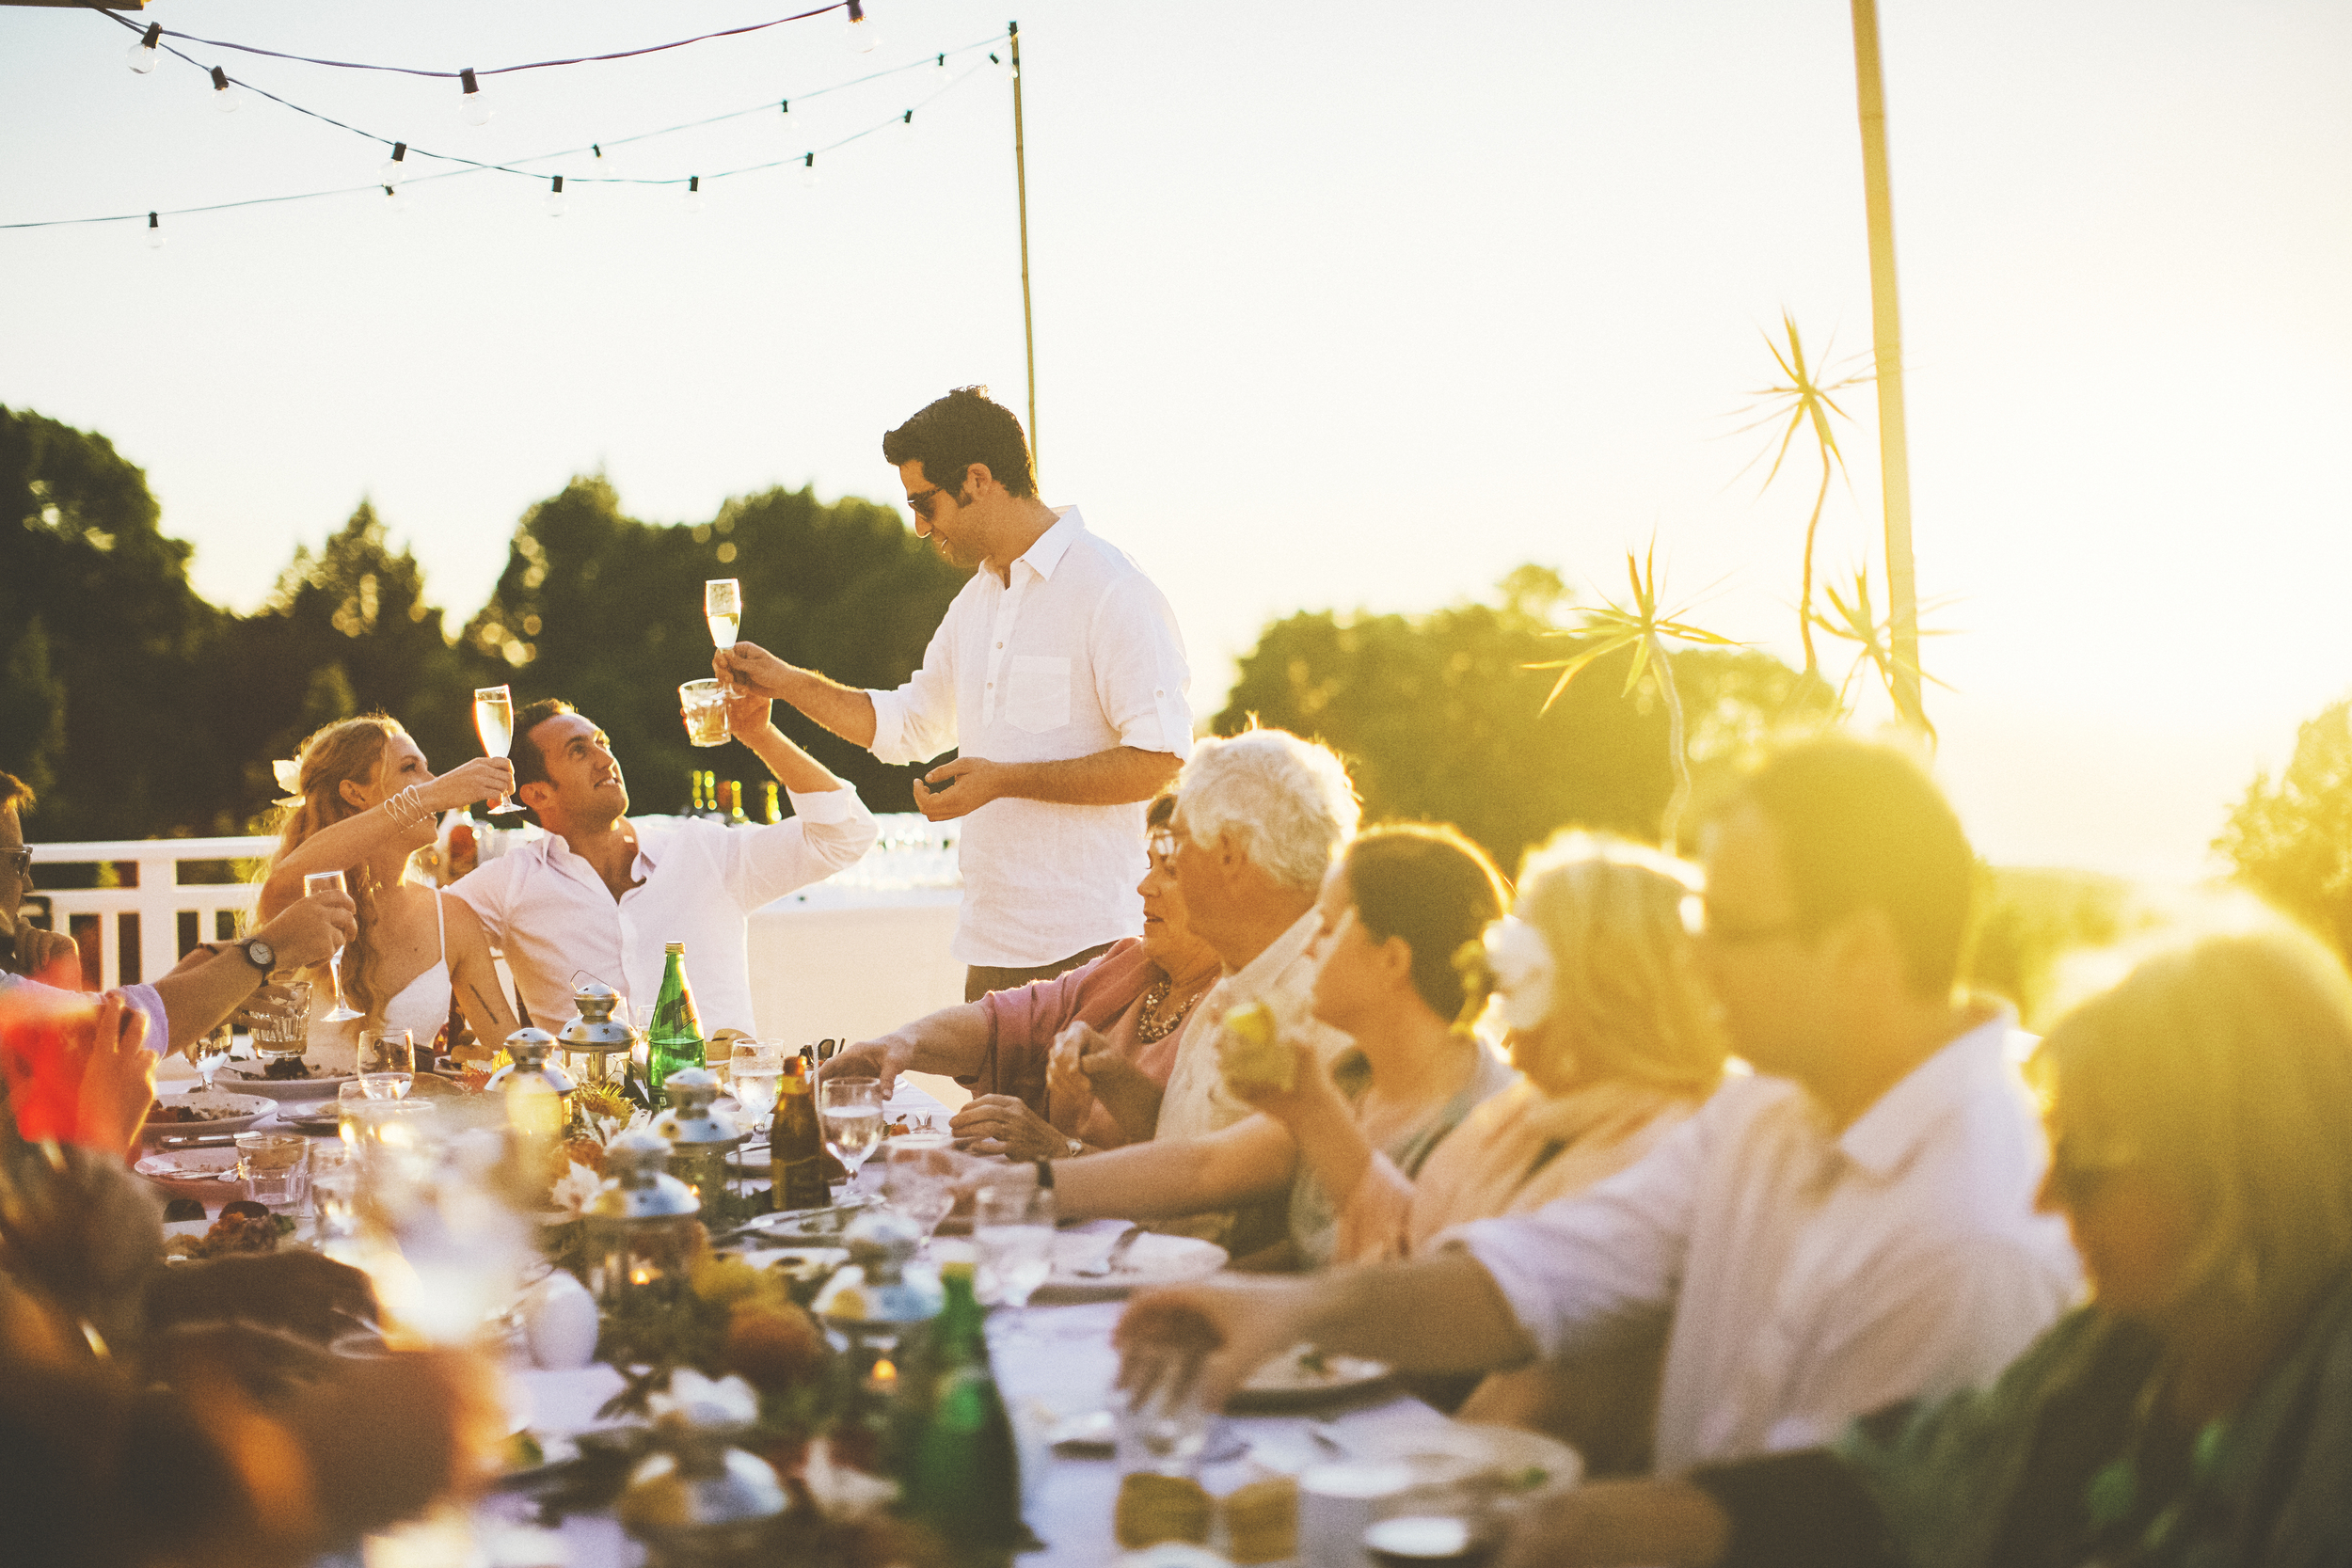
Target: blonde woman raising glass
{"points": [[365, 801]]}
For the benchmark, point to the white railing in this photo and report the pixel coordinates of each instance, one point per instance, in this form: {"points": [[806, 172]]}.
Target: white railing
{"points": [[153, 899], [171, 916]]}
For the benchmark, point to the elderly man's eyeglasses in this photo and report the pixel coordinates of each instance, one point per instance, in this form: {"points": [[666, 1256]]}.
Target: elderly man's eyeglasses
{"points": [[17, 859], [1161, 842], [921, 502]]}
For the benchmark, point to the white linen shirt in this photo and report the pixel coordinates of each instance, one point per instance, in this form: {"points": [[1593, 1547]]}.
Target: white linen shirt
{"points": [[1077, 654], [552, 915], [1812, 1277], [1197, 1099]]}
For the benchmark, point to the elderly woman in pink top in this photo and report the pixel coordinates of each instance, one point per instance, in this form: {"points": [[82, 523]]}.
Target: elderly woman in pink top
{"points": [[1104, 1089], [1611, 1028]]}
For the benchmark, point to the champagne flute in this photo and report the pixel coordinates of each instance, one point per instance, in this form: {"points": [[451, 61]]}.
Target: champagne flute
{"points": [[332, 881], [849, 1110], [387, 1063], [494, 721], [723, 606]]}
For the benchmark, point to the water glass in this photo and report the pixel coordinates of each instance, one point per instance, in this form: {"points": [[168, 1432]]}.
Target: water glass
{"points": [[851, 1112], [387, 1063], [281, 1029], [1012, 1224], [755, 1071], [918, 1178], [705, 704], [210, 1052], [275, 1167]]}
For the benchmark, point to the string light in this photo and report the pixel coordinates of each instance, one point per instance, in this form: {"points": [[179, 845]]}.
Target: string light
{"points": [[553, 200], [473, 108], [154, 233], [143, 53], [808, 172], [940, 70], [395, 168], [224, 96], [863, 34], [692, 202]]}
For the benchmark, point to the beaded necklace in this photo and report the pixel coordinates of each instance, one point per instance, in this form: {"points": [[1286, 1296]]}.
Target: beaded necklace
{"points": [[1150, 1024]]}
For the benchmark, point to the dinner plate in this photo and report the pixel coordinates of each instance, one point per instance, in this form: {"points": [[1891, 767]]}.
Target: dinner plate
{"points": [[207, 1175], [1302, 1376], [240, 1112], [1152, 1260], [1528, 1463], [247, 1079], [304, 1117]]}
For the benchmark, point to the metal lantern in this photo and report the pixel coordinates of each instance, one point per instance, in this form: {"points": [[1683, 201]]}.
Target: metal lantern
{"points": [[641, 1225], [538, 1099], [700, 1138], [698, 1503], [592, 1040]]}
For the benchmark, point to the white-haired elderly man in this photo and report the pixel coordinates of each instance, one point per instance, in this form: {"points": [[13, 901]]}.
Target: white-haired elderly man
{"points": [[1259, 817]]}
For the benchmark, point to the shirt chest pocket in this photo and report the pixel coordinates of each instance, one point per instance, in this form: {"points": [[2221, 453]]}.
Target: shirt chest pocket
{"points": [[1036, 693]]}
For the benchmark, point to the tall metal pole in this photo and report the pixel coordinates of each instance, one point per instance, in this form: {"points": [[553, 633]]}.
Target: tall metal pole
{"points": [[1021, 185], [1886, 341]]}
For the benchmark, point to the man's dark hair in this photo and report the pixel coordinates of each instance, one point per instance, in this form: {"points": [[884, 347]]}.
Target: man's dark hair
{"points": [[15, 794], [531, 762], [966, 426], [1863, 827]]}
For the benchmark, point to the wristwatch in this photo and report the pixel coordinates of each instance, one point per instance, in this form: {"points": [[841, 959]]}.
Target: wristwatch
{"points": [[260, 953], [1072, 1147]]}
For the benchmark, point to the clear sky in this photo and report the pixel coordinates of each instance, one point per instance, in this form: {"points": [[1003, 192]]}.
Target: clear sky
{"points": [[1338, 305]]}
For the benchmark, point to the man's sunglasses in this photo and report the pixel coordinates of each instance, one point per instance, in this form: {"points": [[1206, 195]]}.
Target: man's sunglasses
{"points": [[921, 502], [20, 860]]}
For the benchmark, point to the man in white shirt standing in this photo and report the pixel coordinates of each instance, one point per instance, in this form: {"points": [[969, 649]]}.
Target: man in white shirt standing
{"points": [[1059, 673], [1852, 1226], [604, 892]]}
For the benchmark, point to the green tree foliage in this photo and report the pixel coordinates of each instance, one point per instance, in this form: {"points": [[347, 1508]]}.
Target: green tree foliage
{"points": [[2291, 840], [605, 612], [1439, 718], [102, 641]]}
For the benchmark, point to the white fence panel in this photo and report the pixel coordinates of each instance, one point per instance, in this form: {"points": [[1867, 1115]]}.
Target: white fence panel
{"points": [[159, 898]]}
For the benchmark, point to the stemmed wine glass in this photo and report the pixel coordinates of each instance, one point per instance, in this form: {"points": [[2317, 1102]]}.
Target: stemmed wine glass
{"points": [[494, 721], [1012, 1224], [331, 882], [208, 1052], [851, 1112], [387, 1063], [723, 606]]}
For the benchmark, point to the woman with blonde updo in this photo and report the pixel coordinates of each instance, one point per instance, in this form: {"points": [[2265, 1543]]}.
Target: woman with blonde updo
{"points": [[364, 803], [1609, 1026]]}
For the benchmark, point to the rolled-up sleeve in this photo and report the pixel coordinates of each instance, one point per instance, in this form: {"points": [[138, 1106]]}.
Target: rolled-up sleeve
{"points": [[1141, 680], [918, 721], [1578, 1270], [158, 1022], [829, 829]]}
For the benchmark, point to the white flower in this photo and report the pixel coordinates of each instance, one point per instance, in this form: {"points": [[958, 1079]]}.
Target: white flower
{"points": [[1521, 961], [843, 1492], [701, 1401], [576, 1189]]}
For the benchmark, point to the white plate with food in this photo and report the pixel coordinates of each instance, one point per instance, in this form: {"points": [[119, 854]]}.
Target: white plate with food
{"points": [[1151, 1260], [196, 1114], [317, 1082], [190, 1240], [207, 1175], [1528, 1463], [1304, 1375]]}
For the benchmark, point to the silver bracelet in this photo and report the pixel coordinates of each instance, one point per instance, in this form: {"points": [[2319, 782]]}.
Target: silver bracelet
{"points": [[408, 808]]}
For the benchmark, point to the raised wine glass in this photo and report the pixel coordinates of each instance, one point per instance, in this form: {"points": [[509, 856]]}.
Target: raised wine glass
{"points": [[332, 881], [494, 721], [723, 606], [208, 1052], [851, 1112]]}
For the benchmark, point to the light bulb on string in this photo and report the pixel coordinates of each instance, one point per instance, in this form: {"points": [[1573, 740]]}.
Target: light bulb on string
{"points": [[863, 34], [395, 203], [143, 53], [395, 168], [808, 171], [553, 200], [154, 233], [692, 201], [474, 109], [940, 73], [225, 97]]}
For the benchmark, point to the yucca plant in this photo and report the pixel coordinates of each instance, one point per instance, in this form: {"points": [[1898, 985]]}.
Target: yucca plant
{"points": [[1642, 626], [1853, 619], [1803, 401]]}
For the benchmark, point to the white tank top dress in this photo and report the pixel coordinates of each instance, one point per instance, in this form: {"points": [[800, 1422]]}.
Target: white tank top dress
{"points": [[421, 1005]]}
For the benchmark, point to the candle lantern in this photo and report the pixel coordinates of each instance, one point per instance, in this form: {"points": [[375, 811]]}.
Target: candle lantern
{"points": [[881, 1300], [538, 1101], [642, 1225], [591, 1041], [701, 1139]]}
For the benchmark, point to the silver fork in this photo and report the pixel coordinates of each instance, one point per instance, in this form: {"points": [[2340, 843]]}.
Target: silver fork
{"points": [[1110, 1260]]}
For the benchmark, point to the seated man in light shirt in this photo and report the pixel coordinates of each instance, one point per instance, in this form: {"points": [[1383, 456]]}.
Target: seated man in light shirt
{"points": [[604, 892], [1852, 1226], [1258, 817]]}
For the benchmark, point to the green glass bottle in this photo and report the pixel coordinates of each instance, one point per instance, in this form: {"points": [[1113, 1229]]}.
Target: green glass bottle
{"points": [[963, 1473], [675, 1040]]}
